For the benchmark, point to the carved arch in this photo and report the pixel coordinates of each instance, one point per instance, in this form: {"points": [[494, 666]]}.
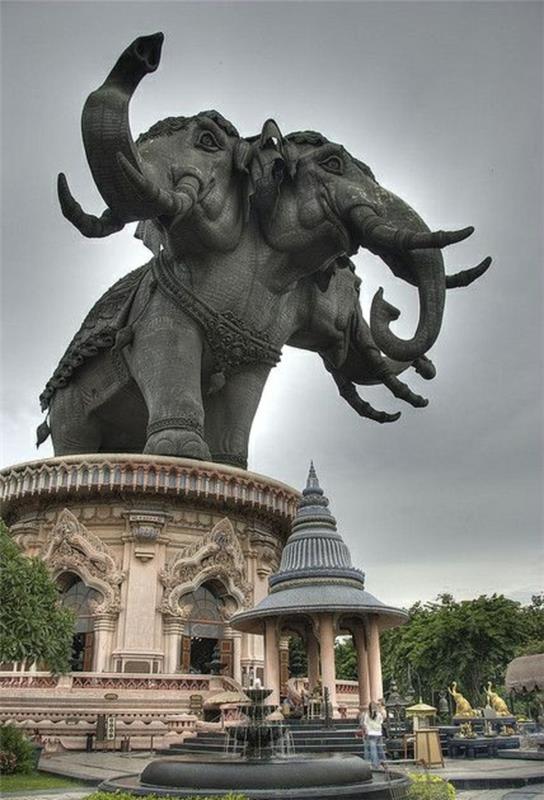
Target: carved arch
{"points": [[216, 556], [71, 547]]}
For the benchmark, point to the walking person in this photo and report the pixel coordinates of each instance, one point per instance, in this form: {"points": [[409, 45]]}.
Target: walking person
{"points": [[371, 723]]}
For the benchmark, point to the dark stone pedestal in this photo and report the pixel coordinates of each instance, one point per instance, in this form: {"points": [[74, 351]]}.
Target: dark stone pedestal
{"points": [[326, 777]]}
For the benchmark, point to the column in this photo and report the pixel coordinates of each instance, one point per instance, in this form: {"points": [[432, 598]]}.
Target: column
{"points": [[328, 670], [272, 661], [284, 663], [236, 651], [103, 630], [237, 655], [312, 652], [374, 662], [359, 641], [173, 630]]}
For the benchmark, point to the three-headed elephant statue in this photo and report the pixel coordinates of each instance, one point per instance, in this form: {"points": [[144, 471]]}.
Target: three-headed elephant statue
{"points": [[251, 241]]}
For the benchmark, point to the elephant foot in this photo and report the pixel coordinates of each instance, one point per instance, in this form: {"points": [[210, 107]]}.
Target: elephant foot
{"points": [[234, 459], [178, 442]]}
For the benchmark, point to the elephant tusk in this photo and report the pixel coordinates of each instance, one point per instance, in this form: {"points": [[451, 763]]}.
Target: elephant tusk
{"points": [[87, 224], [164, 202], [377, 234], [468, 276]]}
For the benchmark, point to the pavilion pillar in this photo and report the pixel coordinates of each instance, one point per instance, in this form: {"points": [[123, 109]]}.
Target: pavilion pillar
{"points": [[312, 652], [284, 664], [272, 661], [328, 669], [359, 640], [374, 661]]}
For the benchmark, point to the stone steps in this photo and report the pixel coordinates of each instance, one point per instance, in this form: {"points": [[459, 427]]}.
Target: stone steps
{"points": [[307, 738]]}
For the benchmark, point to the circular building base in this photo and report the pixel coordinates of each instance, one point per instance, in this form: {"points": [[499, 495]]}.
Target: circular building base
{"points": [[326, 777]]}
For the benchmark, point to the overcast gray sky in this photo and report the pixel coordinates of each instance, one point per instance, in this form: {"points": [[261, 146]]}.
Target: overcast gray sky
{"points": [[444, 101]]}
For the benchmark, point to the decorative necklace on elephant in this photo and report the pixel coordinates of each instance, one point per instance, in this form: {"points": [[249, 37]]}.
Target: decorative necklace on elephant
{"points": [[232, 343]]}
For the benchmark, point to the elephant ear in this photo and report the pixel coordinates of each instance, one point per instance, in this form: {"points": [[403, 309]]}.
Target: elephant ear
{"points": [[149, 234]]}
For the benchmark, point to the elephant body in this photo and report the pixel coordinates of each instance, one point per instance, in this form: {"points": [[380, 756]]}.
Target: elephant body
{"points": [[251, 241]]}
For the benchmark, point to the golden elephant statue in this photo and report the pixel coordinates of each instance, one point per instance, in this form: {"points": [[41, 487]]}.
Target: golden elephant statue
{"points": [[462, 705], [496, 702]]}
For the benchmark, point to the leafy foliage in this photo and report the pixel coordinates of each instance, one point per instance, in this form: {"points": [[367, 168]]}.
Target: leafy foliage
{"points": [[346, 660], [470, 641], [430, 787], [33, 625], [298, 660], [16, 752]]}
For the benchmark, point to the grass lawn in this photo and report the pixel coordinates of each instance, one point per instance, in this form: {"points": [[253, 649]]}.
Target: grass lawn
{"points": [[36, 780]]}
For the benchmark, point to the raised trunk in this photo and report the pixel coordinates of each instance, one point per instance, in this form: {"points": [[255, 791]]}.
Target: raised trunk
{"points": [[106, 130]]}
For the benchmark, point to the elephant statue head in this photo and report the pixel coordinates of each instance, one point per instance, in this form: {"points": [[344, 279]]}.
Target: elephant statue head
{"points": [[337, 203], [181, 180]]}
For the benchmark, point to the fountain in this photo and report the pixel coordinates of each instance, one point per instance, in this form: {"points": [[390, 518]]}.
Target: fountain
{"points": [[259, 761]]}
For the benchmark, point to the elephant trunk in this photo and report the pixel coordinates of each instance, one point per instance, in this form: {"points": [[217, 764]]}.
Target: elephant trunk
{"points": [[412, 252], [106, 132]]}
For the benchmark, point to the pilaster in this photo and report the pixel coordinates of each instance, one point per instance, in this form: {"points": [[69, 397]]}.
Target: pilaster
{"points": [[104, 626], [173, 631]]}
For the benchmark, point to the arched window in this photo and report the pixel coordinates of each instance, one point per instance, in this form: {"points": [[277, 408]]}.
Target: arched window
{"points": [[204, 630], [79, 597]]}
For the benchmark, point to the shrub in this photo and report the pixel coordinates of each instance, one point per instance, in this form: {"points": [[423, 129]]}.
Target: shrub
{"points": [[429, 787], [16, 752]]}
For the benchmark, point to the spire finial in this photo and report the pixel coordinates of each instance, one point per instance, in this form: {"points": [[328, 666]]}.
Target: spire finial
{"points": [[312, 483]]}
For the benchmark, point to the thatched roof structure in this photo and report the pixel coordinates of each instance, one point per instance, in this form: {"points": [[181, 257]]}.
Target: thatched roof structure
{"points": [[526, 673]]}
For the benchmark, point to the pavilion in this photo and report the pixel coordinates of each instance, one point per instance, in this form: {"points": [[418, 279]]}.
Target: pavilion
{"points": [[318, 594]]}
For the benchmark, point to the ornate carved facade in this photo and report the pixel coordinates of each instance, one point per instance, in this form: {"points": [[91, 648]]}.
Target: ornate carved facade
{"points": [[149, 535]]}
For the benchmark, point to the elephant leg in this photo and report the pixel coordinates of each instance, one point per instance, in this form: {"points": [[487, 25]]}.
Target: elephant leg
{"points": [[165, 361], [230, 413], [72, 430]]}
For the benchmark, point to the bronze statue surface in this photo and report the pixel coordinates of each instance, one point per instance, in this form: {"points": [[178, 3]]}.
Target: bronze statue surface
{"points": [[251, 241]]}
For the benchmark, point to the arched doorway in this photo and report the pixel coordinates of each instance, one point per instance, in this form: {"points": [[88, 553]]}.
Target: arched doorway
{"points": [[205, 630], [78, 597]]}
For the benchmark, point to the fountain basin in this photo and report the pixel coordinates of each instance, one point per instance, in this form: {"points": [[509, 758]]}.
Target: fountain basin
{"points": [[323, 776]]}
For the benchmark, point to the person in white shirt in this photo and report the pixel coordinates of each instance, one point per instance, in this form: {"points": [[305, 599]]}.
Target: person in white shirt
{"points": [[371, 723]]}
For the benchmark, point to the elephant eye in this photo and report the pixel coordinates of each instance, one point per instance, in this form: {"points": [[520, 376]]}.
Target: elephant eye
{"points": [[208, 142], [333, 164]]}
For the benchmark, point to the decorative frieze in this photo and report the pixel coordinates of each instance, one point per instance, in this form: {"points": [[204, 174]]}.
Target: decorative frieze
{"points": [[158, 476]]}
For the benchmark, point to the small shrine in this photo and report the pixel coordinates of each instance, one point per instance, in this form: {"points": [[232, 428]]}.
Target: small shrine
{"points": [[318, 595]]}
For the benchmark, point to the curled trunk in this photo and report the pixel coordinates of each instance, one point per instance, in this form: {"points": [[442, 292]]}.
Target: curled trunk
{"points": [[423, 268]]}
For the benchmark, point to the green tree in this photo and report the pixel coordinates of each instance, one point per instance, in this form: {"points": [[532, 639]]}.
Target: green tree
{"points": [[346, 660], [470, 641], [33, 625], [533, 625], [298, 660]]}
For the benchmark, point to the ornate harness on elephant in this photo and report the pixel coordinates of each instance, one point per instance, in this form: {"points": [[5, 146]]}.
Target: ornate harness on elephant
{"points": [[231, 342]]}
